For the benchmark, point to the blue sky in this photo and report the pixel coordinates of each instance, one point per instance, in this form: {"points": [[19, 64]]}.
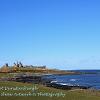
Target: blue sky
{"points": [[62, 34]]}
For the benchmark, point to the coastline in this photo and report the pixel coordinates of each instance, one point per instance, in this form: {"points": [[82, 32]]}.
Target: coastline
{"points": [[78, 94]]}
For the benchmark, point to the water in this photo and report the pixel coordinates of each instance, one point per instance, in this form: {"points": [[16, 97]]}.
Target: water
{"points": [[92, 79]]}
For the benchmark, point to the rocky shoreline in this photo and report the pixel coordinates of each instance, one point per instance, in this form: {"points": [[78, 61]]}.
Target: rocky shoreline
{"points": [[38, 79], [48, 82]]}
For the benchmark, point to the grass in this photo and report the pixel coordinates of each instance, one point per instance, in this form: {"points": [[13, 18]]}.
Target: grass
{"points": [[6, 75], [69, 95]]}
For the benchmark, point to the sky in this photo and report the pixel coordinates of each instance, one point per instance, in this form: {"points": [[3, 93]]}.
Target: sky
{"points": [[62, 34]]}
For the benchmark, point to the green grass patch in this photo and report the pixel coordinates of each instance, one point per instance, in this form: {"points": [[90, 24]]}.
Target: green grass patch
{"points": [[6, 75], [69, 95]]}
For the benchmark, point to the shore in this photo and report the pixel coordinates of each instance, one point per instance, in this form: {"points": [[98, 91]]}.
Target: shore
{"points": [[42, 92], [42, 79]]}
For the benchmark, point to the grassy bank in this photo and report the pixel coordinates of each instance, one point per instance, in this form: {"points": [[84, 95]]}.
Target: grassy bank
{"points": [[69, 95]]}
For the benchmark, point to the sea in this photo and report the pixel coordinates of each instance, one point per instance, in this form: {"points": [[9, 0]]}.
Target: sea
{"points": [[86, 78]]}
